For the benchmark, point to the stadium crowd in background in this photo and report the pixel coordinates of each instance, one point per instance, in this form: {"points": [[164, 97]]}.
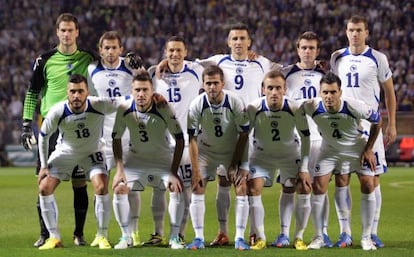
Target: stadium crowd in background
{"points": [[27, 29]]}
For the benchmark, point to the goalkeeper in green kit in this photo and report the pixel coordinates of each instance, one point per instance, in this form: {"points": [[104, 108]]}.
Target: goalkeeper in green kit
{"points": [[49, 80]]}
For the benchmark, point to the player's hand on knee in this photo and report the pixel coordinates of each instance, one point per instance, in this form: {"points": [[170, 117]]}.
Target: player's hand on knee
{"points": [[27, 137], [175, 184], [240, 177]]}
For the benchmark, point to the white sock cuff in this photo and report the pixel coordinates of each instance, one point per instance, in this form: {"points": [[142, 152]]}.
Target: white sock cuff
{"points": [[370, 196], [119, 197]]}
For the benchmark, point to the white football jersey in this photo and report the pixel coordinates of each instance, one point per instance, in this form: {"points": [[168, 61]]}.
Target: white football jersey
{"points": [[242, 77], [81, 133], [180, 89], [149, 131], [361, 74], [274, 131], [304, 84], [342, 130], [106, 82], [217, 127]]}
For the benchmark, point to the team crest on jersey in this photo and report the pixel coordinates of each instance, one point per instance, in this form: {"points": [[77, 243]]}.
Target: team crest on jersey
{"points": [[216, 120], [239, 70], [253, 170], [81, 125], [353, 68], [142, 125], [150, 178], [173, 83], [334, 125], [307, 82], [112, 83], [70, 66], [274, 124]]}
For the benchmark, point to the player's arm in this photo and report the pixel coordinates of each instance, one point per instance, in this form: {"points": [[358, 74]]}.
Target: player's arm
{"points": [[49, 126], [391, 105], [368, 155], [37, 81], [196, 179], [304, 133], [235, 175], [117, 132], [175, 183]]}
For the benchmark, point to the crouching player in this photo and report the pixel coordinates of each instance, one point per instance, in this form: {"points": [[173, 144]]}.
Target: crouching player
{"points": [[149, 158]]}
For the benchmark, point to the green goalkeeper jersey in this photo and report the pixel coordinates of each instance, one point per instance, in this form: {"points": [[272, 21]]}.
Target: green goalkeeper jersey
{"points": [[50, 77]]}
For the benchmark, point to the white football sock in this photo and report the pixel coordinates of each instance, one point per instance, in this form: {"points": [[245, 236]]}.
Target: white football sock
{"points": [[325, 215], [158, 206], [50, 214], [223, 206], [302, 212], [286, 206], [120, 204], [378, 203], [197, 211], [242, 215], [317, 202], [367, 213], [176, 211], [257, 214], [343, 208], [102, 213], [134, 199]]}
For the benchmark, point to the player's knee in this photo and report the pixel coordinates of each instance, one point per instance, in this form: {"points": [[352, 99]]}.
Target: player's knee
{"points": [[101, 188], [121, 189]]}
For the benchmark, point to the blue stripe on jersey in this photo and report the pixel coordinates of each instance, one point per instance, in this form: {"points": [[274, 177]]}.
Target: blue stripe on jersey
{"points": [[366, 54], [374, 117], [345, 110], [286, 108], [66, 112], [264, 108], [206, 105], [225, 58], [319, 110], [294, 69], [153, 110], [343, 54], [91, 109], [228, 58], [100, 67], [226, 103], [371, 56], [186, 69]]}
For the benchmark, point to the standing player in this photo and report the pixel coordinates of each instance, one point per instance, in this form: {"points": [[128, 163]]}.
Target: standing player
{"points": [[302, 80], [218, 131], [149, 126], [111, 76], [363, 71], [274, 145], [49, 81], [79, 120], [344, 149], [180, 83], [243, 77]]}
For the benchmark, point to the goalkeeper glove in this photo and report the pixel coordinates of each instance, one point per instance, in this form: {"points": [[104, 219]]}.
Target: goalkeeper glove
{"points": [[27, 137]]}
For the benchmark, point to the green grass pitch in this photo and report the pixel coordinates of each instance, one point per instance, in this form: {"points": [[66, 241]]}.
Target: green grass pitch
{"points": [[19, 225]]}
